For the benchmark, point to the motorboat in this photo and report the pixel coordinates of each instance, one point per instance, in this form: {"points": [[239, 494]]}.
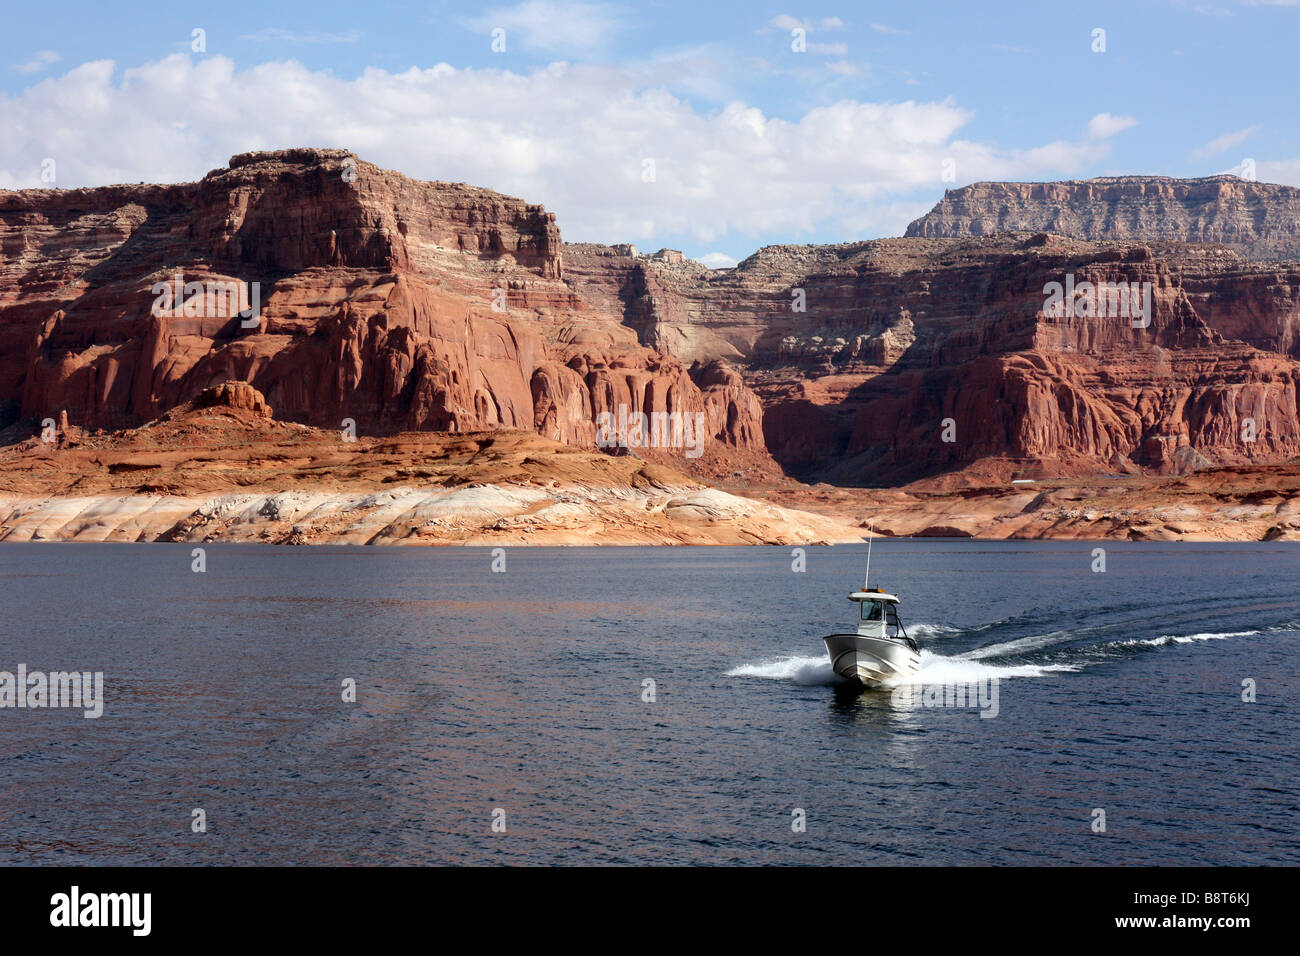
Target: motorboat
{"points": [[880, 651]]}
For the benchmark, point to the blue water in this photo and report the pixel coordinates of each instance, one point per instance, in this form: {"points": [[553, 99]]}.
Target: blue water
{"points": [[521, 692]]}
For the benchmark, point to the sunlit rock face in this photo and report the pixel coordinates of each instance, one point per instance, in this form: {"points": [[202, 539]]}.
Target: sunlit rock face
{"points": [[897, 359], [1259, 220], [336, 289], [340, 291]]}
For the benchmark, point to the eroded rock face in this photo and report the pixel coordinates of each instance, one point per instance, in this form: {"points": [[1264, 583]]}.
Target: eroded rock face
{"points": [[236, 395], [919, 357], [334, 288], [339, 291], [1260, 220]]}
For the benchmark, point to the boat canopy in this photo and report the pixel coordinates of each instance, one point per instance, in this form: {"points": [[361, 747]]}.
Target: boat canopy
{"points": [[875, 594]]}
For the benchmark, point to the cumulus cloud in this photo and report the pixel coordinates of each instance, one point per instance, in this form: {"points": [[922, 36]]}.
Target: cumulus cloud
{"points": [[552, 25], [1104, 125], [574, 137], [1223, 143], [717, 260]]}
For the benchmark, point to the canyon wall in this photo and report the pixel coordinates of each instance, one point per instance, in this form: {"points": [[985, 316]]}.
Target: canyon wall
{"points": [[921, 357], [403, 306], [396, 304], [1259, 220]]}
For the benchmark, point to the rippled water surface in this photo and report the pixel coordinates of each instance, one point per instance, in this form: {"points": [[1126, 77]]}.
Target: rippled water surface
{"points": [[1119, 691]]}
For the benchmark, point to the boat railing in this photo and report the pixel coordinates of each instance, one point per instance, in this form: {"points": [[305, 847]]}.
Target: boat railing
{"points": [[899, 632]]}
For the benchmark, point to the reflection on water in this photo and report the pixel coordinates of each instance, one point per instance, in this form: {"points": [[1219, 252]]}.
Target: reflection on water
{"points": [[527, 692]]}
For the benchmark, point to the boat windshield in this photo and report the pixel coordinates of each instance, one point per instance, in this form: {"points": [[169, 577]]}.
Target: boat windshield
{"points": [[872, 610]]}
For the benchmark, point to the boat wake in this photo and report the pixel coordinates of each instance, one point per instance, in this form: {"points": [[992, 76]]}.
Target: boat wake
{"points": [[981, 663], [935, 669], [1183, 638], [810, 671], [923, 632], [804, 671], [1052, 643]]}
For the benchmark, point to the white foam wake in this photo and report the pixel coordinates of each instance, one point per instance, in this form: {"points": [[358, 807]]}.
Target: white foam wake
{"points": [[963, 668], [805, 671], [922, 631], [935, 669], [1020, 645], [1184, 638]]}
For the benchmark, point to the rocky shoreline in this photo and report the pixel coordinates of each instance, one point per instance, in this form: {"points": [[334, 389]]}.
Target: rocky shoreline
{"points": [[222, 469], [1249, 503]]}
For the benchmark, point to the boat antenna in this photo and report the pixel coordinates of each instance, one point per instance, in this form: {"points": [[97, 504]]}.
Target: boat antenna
{"points": [[871, 537]]}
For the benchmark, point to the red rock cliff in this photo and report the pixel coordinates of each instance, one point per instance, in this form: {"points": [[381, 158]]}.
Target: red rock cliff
{"points": [[395, 303], [409, 305], [916, 357]]}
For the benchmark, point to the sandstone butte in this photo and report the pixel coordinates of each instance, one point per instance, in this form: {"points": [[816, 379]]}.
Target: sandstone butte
{"points": [[472, 351]]}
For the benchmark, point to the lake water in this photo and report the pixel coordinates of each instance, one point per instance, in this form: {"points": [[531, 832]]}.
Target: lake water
{"points": [[520, 696]]}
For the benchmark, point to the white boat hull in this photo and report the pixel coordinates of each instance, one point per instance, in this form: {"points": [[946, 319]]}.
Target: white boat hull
{"points": [[870, 661]]}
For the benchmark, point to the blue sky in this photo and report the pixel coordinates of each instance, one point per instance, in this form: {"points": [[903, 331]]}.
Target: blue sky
{"points": [[689, 125]]}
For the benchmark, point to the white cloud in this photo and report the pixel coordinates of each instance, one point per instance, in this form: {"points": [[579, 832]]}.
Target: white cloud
{"points": [[843, 68], [1223, 143], [1284, 171], [1104, 125], [829, 49], [573, 137], [717, 260], [38, 62], [552, 25]]}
